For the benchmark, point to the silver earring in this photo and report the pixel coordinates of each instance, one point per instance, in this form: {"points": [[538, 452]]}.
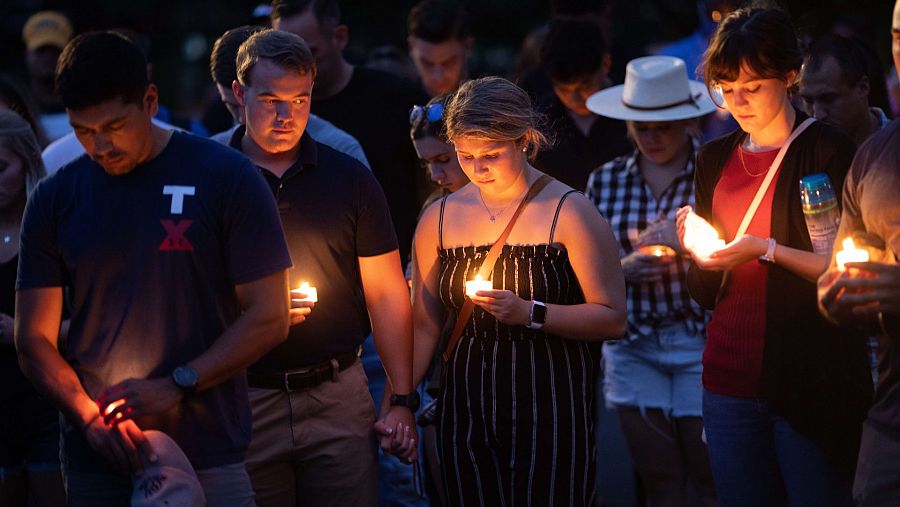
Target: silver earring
{"points": [[524, 149]]}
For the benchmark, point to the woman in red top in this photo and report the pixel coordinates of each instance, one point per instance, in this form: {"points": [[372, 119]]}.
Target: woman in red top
{"points": [[784, 391]]}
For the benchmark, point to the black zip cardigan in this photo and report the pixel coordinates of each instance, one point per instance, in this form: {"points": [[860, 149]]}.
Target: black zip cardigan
{"points": [[814, 374]]}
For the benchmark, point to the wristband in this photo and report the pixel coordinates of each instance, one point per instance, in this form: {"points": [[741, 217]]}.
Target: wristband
{"points": [[769, 256]]}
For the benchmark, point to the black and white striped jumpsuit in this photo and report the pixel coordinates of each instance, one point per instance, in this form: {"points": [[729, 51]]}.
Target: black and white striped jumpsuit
{"points": [[517, 412]]}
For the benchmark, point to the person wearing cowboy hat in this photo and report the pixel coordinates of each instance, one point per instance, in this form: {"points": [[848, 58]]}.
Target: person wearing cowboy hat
{"points": [[652, 376]]}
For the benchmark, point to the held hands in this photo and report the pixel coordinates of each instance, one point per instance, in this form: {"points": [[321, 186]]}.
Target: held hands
{"points": [[505, 305], [121, 443], [863, 290], [397, 433]]}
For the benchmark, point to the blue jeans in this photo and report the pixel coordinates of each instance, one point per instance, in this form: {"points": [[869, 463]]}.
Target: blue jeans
{"points": [[758, 459]]}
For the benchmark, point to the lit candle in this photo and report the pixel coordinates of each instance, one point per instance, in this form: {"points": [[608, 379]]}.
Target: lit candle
{"points": [[700, 237], [657, 250], [473, 286], [112, 406], [311, 294], [850, 254]]}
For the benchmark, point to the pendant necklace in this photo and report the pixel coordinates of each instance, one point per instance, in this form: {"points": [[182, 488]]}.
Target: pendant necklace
{"points": [[493, 216]]}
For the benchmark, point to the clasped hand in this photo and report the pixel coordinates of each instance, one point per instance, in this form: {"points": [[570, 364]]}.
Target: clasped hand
{"points": [[861, 291], [739, 251]]}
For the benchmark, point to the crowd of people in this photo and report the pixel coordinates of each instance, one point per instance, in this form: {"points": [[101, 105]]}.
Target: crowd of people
{"points": [[375, 291]]}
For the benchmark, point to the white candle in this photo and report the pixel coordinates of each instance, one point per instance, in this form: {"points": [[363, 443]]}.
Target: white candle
{"points": [[700, 237], [473, 286], [850, 254], [311, 294]]}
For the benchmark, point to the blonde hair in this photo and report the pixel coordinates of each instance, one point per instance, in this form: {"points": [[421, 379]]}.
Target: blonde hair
{"points": [[16, 134], [494, 109]]}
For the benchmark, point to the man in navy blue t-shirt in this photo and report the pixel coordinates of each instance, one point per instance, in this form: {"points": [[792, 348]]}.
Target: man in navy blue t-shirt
{"points": [[312, 413], [155, 234]]}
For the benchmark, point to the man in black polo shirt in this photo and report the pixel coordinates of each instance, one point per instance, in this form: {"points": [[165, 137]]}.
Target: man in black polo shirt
{"points": [[312, 413]]}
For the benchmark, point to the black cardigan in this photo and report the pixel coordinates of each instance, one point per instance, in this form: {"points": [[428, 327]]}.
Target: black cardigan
{"points": [[814, 374]]}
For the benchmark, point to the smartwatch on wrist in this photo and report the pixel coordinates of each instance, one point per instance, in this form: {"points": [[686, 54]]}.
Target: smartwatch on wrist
{"points": [[538, 316], [186, 379], [410, 401], [769, 256]]}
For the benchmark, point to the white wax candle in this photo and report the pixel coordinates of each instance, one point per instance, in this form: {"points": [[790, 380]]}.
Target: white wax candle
{"points": [[311, 293], [850, 254], [473, 286], [700, 237]]}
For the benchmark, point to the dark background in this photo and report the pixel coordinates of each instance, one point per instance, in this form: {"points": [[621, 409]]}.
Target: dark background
{"points": [[181, 33]]}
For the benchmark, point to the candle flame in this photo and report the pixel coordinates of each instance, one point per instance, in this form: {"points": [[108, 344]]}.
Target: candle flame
{"points": [[478, 278], [304, 287], [112, 406], [848, 244], [699, 236]]}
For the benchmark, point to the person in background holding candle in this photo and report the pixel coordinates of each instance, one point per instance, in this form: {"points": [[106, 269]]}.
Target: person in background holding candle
{"points": [[785, 392], [869, 295], [29, 442], [156, 235], [336, 220], [516, 416], [652, 377]]}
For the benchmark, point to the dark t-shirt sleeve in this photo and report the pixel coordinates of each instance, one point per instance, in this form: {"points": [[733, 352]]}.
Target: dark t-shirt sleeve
{"points": [[375, 233], [40, 262], [251, 220]]}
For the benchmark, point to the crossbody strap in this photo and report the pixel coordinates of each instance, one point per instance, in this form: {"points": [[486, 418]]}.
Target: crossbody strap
{"points": [[487, 266], [770, 175]]}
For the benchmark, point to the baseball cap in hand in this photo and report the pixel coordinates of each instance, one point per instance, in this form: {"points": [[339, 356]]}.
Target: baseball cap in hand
{"points": [[171, 481]]}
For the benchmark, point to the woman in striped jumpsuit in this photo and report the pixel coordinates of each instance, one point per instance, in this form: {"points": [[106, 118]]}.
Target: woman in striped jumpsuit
{"points": [[516, 423]]}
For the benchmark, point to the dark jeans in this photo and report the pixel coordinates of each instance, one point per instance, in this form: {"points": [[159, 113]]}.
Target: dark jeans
{"points": [[758, 459]]}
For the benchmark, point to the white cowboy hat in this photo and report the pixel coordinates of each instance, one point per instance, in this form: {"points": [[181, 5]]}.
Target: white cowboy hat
{"points": [[656, 88]]}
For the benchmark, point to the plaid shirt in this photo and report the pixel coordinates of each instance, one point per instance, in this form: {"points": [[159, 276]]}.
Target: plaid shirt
{"points": [[626, 201]]}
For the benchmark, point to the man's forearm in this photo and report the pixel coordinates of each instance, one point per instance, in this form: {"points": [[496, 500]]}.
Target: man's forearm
{"points": [[392, 333], [54, 378], [249, 338]]}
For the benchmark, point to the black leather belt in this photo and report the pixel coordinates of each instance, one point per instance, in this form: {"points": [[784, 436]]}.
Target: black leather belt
{"points": [[304, 378]]}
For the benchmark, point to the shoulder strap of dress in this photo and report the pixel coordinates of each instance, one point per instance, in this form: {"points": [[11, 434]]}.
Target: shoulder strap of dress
{"points": [[556, 216], [441, 223]]}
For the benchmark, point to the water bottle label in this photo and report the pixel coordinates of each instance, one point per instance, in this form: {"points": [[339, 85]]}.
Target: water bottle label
{"points": [[823, 228]]}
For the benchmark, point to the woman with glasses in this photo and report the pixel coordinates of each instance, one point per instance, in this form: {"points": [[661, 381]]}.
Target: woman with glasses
{"points": [[785, 392], [652, 377], [516, 416]]}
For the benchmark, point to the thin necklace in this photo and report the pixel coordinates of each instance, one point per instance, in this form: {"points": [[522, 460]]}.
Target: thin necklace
{"points": [[741, 155], [492, 216]]}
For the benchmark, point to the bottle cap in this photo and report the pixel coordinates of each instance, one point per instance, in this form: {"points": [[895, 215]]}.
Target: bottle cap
{"points": [[816, 189]]}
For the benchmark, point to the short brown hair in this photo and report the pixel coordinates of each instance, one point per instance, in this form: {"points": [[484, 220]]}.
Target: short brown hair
{"points": [[494, 109], [762, 39], [282, 48], [223, 59]]}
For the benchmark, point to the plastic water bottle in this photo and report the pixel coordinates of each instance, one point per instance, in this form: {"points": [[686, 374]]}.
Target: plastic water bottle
{"points": [[820, 209]]}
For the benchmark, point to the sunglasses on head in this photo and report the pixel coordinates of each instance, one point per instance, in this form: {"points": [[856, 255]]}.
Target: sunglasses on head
{"points": [[431, 112]]}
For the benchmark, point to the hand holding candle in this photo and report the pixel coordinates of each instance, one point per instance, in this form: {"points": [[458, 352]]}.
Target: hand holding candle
{"points": [[700, 237], [305, 293], [473, 286], [850, 254]]}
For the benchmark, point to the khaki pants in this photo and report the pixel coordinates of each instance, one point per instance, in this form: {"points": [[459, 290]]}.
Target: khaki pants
{"points": [[316, 446], [877, 482]]}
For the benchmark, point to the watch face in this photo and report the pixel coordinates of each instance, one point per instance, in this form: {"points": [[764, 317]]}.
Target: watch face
{"points": [[540, 314], [185, 377]]}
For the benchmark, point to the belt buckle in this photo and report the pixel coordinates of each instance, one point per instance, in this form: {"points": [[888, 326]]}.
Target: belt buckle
{"points": [[287, 376]]}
